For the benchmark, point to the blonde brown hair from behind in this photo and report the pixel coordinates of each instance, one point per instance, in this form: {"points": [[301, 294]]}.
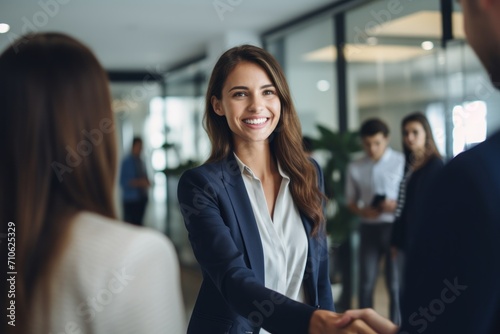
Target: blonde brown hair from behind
{"points": [[58, 154], [286, 141]]}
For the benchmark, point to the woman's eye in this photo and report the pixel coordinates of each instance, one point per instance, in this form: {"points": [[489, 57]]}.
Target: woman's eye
{"points": [[269, 92], [239, 94]]}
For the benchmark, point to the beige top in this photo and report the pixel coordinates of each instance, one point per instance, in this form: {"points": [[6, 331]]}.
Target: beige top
{"points": [[114, 278]]}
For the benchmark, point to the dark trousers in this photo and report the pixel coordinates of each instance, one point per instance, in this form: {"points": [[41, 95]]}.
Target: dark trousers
{"points": [[375, 244], [133, 212]]}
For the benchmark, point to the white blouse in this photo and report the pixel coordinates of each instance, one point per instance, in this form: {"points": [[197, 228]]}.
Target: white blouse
{"points": [[284, 239], [366, 178]]}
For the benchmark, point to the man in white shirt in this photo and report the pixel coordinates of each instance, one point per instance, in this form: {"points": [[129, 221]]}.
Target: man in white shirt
{"points": [[372, 185]]}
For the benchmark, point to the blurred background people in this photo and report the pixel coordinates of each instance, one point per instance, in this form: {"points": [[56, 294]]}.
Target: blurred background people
{"points": [[422, 163], [453, 250], [135, 184], [372, 184], [79, 270], [451, 276]]}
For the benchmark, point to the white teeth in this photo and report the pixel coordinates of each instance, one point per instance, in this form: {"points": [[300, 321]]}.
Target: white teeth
{"points": [[255, 121]]}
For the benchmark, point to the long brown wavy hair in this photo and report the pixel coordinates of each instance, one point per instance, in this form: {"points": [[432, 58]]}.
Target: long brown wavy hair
{"points": [[54, 94], [286, 140], [430, 145]]}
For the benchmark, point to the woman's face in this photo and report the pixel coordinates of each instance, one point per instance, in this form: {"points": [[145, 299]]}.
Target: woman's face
{"points": [[250, 104], [414, 136]]}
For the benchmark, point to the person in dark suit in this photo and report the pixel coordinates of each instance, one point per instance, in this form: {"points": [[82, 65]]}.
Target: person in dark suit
{"points": [[254, 210], [452, 263], [423, 163]]}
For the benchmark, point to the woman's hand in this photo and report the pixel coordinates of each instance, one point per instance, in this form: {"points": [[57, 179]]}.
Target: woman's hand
{"points": [[376, 322], [325, 322], [369, 213]]}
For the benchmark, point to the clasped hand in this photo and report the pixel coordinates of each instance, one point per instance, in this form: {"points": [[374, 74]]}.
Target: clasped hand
{"points": [[365, 321]]}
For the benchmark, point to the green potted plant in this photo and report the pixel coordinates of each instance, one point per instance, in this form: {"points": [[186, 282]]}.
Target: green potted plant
{"points": [[339, 148]]}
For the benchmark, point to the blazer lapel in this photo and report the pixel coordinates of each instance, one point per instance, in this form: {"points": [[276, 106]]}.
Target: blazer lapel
{"points": [[236, 191]]}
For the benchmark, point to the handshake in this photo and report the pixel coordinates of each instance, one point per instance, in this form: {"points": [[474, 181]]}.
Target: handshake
{"points": [[364, 321]]}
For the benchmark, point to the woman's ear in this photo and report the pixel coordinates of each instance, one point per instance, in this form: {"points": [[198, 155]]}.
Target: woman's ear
{"points": [[216, 105]]}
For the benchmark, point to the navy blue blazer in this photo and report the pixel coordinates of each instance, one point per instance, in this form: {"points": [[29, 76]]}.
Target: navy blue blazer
{"points": [[453, 262], [226, 242]]}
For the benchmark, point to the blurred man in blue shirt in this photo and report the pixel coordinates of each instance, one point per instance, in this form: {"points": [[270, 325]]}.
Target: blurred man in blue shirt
{"points": [[134, 182]]}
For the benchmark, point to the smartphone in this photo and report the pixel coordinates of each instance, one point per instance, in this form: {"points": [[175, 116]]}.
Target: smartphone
{"points": [[377, 201]]}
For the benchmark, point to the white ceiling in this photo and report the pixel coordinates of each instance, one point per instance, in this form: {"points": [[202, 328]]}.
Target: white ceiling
{"points": [[136, 35]]}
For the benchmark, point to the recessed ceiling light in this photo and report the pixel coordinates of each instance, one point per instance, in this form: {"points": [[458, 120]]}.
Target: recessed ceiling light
{"points": [[4, 27], [427, 45], [323, 85], [372, 40]]}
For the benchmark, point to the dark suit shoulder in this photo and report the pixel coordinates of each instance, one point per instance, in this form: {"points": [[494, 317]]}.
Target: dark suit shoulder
{"points": [[456, 235], [479, 164], [435, 162]]}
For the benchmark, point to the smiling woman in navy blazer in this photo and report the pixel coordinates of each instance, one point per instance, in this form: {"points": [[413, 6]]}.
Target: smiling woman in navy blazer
{"points": [[254, 210]]}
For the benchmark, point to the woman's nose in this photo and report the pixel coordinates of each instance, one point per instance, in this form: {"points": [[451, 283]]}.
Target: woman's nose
{"points": [[256, 104]]}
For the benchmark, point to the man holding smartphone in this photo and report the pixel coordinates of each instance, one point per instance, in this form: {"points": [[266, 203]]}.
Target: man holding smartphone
{"points": [[372, 186]]}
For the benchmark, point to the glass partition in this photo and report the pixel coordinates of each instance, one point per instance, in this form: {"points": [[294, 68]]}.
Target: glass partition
{"points": [[470, 93], [185, 144], [308, 58], [396, 65]]}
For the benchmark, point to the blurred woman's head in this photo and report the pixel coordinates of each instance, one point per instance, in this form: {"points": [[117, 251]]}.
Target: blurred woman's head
{"points": [[58, 147], [418, 140]]}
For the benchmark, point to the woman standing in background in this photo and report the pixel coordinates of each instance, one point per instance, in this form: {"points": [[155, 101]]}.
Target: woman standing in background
{"points": [[423, 163]]}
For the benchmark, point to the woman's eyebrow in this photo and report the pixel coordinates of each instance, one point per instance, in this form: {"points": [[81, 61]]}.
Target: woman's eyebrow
{"points": [[246, 88], [238, 87]]}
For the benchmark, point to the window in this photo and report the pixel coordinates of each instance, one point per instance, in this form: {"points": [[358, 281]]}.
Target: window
{"points": [[308, 58], [395, 64]]}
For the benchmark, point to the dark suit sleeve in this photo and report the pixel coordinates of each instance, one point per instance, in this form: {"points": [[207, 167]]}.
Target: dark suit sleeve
{"points": [[324, 286], [215, 250], [451, 278]]}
